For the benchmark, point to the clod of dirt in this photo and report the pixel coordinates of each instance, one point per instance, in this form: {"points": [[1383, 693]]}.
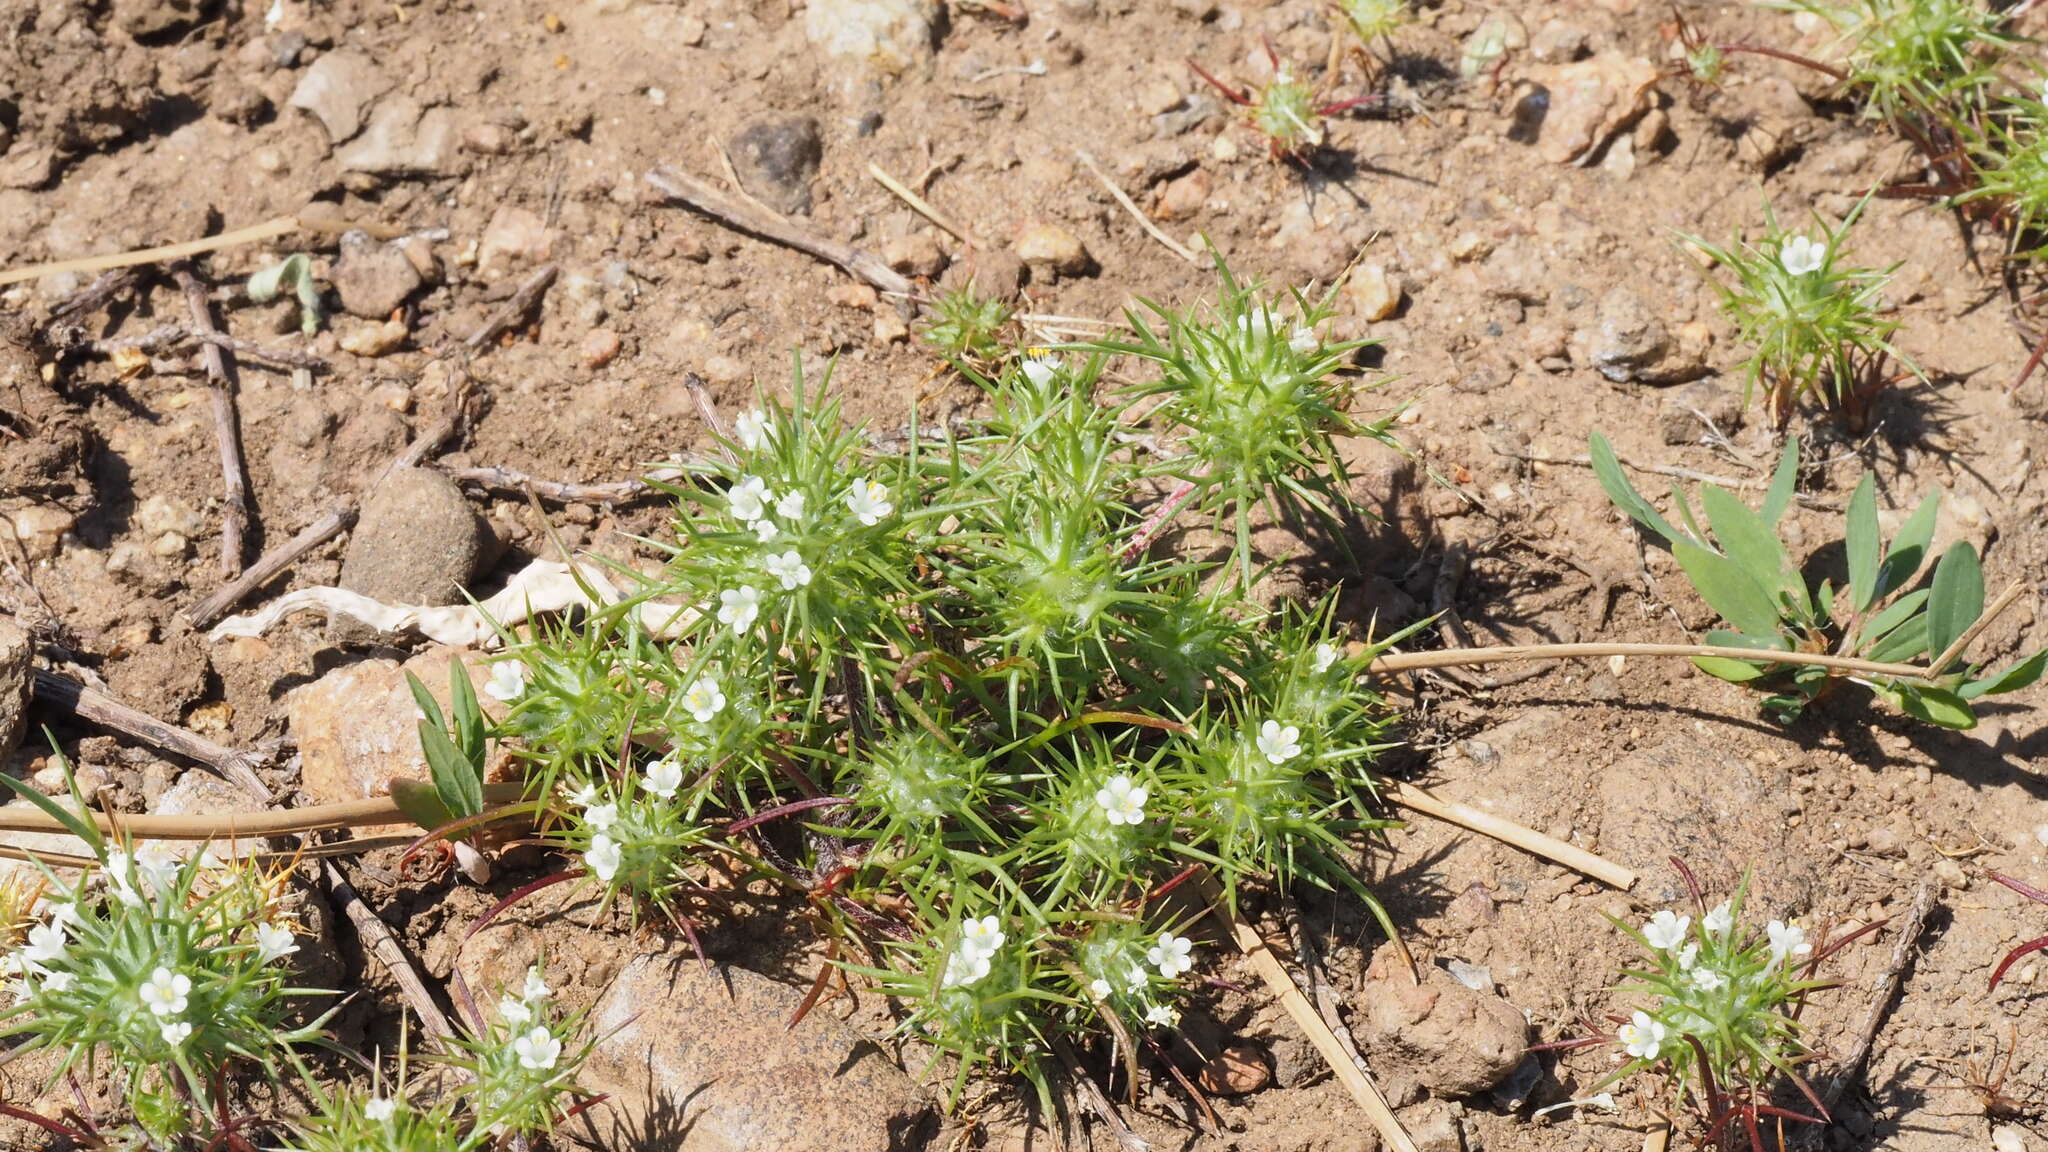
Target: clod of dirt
{"points": [[15, 654], [600, 347], [372, 279], [708, 1053], [1630, 343], [1681, 798], [1684, 416], [515, 237], [1434, 1126], [777, 157], [1043, 245], [28, 167], [1183, 196], [163, 678], [1236, 1071], [338, 90], [1590, 101], [143, 19], [418, 542], [45, 456], [1451, 1039], [403, 139], [891, 35], [989, 271], [915, 255]]}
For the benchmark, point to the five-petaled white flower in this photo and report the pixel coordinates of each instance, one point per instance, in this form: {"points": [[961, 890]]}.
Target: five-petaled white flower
{"points": [[868, 500], [175, 1032], [514, 1012], [964, 967], [751, 427], [164, 992], [603, 857], [1122, 801], [378, 1109], [1099, 988], [1326, 655], [45, 943], [1039, 369], [737, 607], [791, 507], [765, 531], [537, 1049], [748, 499], [1643, 1037], [157, 865], [584, 796], [1708, 979], [1303, 340], [1160, 1016], [274, 942], [56, 981], [703, 699], [1719, 918], [790, 569], [600, 817], [1171, 955], [1787, 940], [1666, 930], [1279, 743], [1687, 955], [664, 776], [63, 913], [507, 682], [1801, 255], [535, 989], [981, 937]]}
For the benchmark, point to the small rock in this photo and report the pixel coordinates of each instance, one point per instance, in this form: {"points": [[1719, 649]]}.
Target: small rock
{"points": [[490, 139], [915, 255], [1238, 1070], [372, 279], [715, 1046], [1679, 418], [600, 348], [2006, 1138], [777, 157], [1631, 343], [1370, 294], [856, 296], [1051, 246], [16, 651], [28, 166], [1433, 1126], [357, 727], [1454, 1040], [890, 328], [515, 237], [1183, 196], [370, 340], [338, 90], [890, 35], [200, 793], [993, 272], [1589, 101], [147, 18], [170, 546], [41, 528], [417, 542], [1951, 874], [404, 138], [1158, 96], [1470, 245]]}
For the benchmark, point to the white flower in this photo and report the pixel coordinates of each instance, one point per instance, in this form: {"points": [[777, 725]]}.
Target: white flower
{"points": [[176, 1032], [791, 507], [1643, 1038], [537, 1049], [1039, 369], [1326, 655], [1303, 340], [535, 989], [1666, 930], [274, 941], [1720, 919], [751, 427], [1708, 979], [1687, 955], [748, 498], [45, 943], [56, 981], [737, 607], [868, 500], [1279, 743], [765, 531], [1160, 1016], [1122, 801], [664, 776], [1787, 940], [157, 865], [964, 967], [584, 796], [1801, 256], [601, 817], [164, 992], [1099, 988], [63, 913], [790, 569], [1170, 955], [603, 857], [702, 700], [377, 1109], [981, 937], [1136, 979], [514, 1012], [507, 682]]}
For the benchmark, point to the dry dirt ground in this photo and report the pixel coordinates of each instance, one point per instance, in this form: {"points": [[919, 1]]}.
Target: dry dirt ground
{"points": [[503, 137]]}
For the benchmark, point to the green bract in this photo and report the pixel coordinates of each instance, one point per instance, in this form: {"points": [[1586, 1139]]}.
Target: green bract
{"points": [[1743, 572]]}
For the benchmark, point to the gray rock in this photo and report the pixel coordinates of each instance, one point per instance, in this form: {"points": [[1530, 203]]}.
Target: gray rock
{"points": [[418, 542], [1678, 419], [1631, 343], [778, 158], [1451, 1039], [338, 91], [16, 652], [405, 139], [200, 793], [372, 278], [702, 1061], [890, 35]]}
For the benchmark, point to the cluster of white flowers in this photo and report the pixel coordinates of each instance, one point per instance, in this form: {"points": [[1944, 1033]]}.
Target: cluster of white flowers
{"points": [[1302, 339], [979, 940], [45, 946], [536, 1047], [165, 995], [153, 864], [1278, 742], [1122, 801]]}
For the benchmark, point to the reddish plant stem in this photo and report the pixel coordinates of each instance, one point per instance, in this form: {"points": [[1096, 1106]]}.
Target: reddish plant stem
{"points": [[1788, 57]]}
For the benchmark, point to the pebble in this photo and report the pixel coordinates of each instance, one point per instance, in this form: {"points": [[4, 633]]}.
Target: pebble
{"points": [[404, 138], [859, 296], [1951, 874], [1469, 245], [514, 237], [890, 328], [1183, 196], [600, 348], [1371, 293], [887, 35], [1237, 1070], [373, 339], [915, 255], [338, 89], [417, 542], [1051, 246], [372, 279], [777, 158]]}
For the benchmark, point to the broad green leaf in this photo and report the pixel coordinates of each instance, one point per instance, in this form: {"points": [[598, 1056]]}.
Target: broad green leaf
{"points": [[1936, 707], [457, 781], [1907, 642], [1908, 552], [430, 708], [1613, 481], [1863, 545], [1957, 598], [1738, 671], [421, 803], [1779, 496], [1728, 589], [2012, 679], [1896, 613], [1747, 540], [469, 716]]}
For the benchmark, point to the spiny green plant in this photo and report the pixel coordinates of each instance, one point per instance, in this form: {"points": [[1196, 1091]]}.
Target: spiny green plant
{"points": [[1740, 567], [2008, 173], [1927, 60], [967, 327], [1812, 325], [1372, 20], [956, 693], [1286, 110]]}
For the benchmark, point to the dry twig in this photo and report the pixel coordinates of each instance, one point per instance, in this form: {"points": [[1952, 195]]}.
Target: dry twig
{"points": [[919, 204], [561, 492], [1888, 988], [756, 220], [332, 523], [1508, 832], [1144, 221], [235, 514], [379, 941], [516, 310], [68, 697], [170, 335]]}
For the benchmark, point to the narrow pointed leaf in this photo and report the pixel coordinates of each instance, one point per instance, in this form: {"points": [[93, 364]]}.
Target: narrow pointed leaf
{"points": [[2012, 679], [1936, 706], [456, 780], [1908, 552], [1779, 496], [1613, 481], [1746, 539], [469, 716], [1738, 671], [1896, 613]]}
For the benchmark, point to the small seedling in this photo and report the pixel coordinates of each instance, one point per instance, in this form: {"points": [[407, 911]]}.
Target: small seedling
{"points": [[1716, 1014], [1285, 110], [1702, 63], [1741, 569], [1811, 323], [2007, 174], [968, 327], [1930, 61], [1371, 22], [295, 274]]}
